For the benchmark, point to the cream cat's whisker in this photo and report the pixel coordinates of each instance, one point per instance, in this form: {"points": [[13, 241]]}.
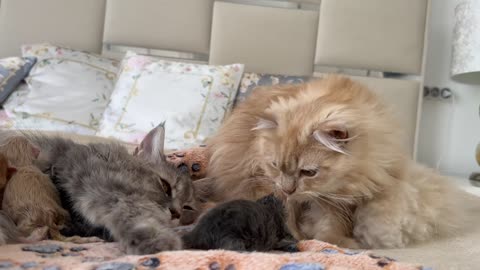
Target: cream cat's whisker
{"points": [[314, 195], [343, 214], [347, 199], [335, 197]]}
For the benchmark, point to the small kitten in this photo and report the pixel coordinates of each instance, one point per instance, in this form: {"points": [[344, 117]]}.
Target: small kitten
{"points": [[6, 173], [136, 199], [8, 232], [242, 225], [32, 202], [19, 151]]}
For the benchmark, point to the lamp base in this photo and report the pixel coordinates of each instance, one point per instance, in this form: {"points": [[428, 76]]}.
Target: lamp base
{"points": [[475, 179]]}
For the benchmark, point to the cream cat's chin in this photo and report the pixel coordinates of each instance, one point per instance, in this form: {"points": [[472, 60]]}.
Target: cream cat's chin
{"points": [[333, 149]]}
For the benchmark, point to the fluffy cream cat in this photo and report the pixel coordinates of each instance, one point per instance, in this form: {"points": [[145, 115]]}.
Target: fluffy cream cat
{"points": [[332, 149]]}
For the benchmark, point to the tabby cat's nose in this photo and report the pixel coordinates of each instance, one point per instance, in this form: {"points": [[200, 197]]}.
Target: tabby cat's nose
{"points": [[174, 213]]}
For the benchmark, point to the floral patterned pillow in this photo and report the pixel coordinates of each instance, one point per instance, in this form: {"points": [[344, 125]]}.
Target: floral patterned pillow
{"points": [[67, 86], [11, 120], [12, 71], [193, 100], [251, 80]]}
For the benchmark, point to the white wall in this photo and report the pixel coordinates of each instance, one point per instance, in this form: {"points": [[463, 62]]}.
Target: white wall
{"points": [[458, 143]]}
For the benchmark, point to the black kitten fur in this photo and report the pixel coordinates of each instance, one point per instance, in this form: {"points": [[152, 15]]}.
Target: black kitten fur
{"points": [[243, 226], [78, 225]]}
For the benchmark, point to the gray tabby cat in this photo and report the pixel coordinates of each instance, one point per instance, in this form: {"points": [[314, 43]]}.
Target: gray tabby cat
{"points": [[137, 199]]}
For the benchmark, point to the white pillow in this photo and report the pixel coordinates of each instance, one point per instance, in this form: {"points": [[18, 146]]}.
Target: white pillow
{"points": [[68, 86], [11, 120], [193, 100]]}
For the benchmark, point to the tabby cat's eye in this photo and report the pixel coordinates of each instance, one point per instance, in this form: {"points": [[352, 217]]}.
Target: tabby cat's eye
{"points": [[167, 188], [274, 164], [308, 173], [187, 207]]}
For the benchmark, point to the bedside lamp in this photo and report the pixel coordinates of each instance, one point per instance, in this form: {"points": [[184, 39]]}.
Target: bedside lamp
{"points": [[465, 65]]}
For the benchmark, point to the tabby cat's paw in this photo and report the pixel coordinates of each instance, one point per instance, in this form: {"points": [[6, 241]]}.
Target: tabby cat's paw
{"points": [[150, 241]]}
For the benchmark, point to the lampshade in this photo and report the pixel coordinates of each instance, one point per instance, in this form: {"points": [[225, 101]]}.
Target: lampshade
{"points": [[466, 43]]}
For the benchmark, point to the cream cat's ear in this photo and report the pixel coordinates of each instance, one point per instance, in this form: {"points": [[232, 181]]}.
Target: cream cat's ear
{"points": [[153, 143], [10, 172], [334, 137], [263, 123]]}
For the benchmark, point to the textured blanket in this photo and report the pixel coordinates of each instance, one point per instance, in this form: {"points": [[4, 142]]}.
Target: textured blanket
{"points": [[312, 255]]}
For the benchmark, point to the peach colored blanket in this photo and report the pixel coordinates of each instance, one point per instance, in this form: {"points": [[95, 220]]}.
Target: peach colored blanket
{"points": [[312, 255]]}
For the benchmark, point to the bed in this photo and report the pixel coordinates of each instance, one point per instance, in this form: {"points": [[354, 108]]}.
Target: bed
{"points": [[381, 43]]}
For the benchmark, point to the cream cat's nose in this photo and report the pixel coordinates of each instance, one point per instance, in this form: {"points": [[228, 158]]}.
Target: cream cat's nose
{"points": [[288, 184]]}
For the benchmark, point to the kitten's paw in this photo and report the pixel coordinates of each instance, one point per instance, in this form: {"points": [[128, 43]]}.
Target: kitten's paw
{"points": [[150, 241], [83, 240], [38, 234], [193, 161], [182, 230]]}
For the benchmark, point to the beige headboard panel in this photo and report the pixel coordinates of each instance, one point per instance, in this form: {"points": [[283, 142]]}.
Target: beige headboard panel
{"points": [[382, 35], [403, 97], [77, 24], [266, 39], [283, 38], [179, 25]]}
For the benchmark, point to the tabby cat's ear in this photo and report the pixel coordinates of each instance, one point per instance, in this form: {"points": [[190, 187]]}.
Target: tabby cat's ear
{"points": [[10, 172], [153, 143]]}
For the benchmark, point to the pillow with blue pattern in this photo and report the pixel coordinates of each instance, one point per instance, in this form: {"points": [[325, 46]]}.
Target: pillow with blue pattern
{"points": [[250, 81], [12, 71]]}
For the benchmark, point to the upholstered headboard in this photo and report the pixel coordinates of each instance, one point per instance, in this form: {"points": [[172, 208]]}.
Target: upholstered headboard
{"points": [[301, 37]]}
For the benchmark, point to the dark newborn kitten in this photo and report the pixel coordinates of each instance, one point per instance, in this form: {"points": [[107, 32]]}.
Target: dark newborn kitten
{"points": [[242, 225]]}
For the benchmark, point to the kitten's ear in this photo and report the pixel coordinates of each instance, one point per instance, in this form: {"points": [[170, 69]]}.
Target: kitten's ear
{"points": [[263, 123], [270, 200], [35, 152], [152, 145], [334, 137]]}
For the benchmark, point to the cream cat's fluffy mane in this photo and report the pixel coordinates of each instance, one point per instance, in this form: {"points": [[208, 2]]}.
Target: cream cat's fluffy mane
{"points": [[333, 149], [334, 101]]}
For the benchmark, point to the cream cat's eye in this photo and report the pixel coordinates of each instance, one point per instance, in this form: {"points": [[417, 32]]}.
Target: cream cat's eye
{"points": [[308, 173], [274, 164]]}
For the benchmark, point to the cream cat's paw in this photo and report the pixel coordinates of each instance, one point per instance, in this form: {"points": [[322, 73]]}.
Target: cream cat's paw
{"points": [[151, 241], [350, 243]]}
